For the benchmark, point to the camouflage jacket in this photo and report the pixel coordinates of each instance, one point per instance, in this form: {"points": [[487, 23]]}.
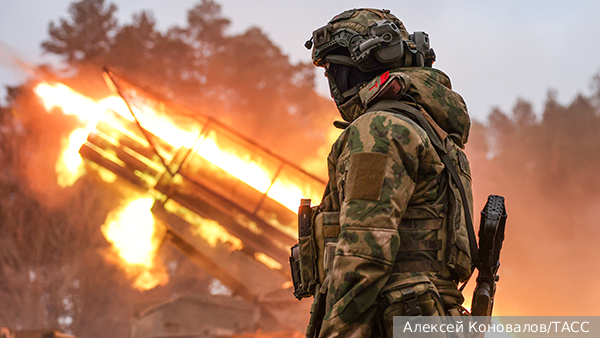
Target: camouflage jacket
{"points": [[382, 165]]}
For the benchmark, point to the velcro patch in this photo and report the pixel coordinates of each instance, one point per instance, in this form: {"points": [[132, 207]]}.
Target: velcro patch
{"points": [[365, 176], [343, 16]]}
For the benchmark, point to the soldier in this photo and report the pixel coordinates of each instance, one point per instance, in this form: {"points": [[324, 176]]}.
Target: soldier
{"points": [[403, 246]]}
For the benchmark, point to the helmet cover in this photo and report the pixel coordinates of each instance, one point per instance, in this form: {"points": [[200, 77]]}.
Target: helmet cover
{"points": [[369, 39]]}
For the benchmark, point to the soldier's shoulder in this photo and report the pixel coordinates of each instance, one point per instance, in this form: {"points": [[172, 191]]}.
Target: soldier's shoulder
{"points": [[384, 123], [380, 131]]}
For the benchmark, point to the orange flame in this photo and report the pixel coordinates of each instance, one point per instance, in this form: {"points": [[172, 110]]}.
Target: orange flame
{"points": [[70, 167], [253, 174], [131, 229], [133, 234]]}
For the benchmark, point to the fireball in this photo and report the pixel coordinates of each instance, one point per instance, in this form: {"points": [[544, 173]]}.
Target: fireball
{"points": [[132, 231]]}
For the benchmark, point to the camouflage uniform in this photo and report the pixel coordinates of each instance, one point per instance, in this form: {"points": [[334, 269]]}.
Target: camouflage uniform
{"points": [[389, 185]]}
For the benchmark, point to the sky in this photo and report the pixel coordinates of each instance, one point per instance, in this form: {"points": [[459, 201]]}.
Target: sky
{"points": [[493, 51]]}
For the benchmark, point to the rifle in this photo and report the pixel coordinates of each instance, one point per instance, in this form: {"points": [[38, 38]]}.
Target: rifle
{"points": [[491, 236]]}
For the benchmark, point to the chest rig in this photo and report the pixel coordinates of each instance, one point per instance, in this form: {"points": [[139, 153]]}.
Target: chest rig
{"points": [[438, 237]]}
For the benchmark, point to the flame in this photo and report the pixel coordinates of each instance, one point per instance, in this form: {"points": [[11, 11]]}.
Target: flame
{"points": [[132, 232], [213, 232], [288, 194], [243, 169], [69, 167], [268, 261], [253, 174], [131, 229]]}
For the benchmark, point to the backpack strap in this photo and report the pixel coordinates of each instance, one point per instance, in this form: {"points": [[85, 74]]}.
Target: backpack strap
{"points": [[418, 117]]}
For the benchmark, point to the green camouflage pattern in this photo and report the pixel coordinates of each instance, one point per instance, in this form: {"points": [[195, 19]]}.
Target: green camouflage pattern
{"points": [[430, 88], [358, 20], [410, 183]]}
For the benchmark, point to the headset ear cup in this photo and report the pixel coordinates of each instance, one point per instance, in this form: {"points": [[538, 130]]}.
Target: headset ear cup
{"points": [[429, 57], [381, 48], [390, 54]]}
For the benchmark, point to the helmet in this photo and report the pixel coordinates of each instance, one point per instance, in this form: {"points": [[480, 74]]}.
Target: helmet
{"points": [[358, 44]]}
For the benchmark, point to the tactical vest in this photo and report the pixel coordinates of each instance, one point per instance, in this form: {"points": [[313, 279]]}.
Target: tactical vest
{"points": [[435, 237], [449, 219]]}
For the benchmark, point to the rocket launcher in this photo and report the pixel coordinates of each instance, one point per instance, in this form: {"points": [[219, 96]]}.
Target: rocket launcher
{"points": [[198, 169]]}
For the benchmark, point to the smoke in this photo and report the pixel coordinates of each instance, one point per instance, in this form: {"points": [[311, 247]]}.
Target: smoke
{"points": [[546, 168], [267, 99], [10, 58], [39, 146]]}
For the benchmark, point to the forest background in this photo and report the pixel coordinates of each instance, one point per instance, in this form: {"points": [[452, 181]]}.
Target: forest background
{"points": [[52, 251]]}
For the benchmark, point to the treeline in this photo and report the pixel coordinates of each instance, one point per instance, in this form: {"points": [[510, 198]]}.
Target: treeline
{"points": [[547, 165], [52, 264]]}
